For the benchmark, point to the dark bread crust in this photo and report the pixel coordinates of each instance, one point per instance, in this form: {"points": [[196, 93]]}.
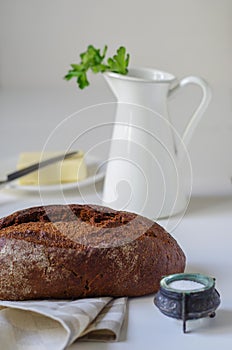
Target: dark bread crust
{"points": [[74, 251]]}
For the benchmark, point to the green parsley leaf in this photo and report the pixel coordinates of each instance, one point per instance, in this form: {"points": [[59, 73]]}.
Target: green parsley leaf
{"points": [[92, 59], [82, 80], [119, 62]]}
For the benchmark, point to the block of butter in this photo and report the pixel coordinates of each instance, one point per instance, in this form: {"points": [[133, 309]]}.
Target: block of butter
{"points": [[72, 169]]}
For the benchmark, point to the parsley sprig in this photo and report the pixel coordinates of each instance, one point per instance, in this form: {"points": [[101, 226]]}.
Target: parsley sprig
{"points": [[93, 60]]}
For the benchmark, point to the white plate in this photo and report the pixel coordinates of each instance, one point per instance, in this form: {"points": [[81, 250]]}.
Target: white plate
{"points": [[96, 172]]}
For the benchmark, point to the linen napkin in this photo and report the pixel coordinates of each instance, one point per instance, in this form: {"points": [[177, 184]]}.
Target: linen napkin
{"points": [[56, 324]]}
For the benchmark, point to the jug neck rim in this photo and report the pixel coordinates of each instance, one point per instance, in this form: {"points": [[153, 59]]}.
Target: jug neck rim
{"points": [[144, 75]]}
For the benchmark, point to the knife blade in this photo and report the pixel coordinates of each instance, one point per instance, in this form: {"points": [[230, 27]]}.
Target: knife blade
{"points": [[34, 167]]}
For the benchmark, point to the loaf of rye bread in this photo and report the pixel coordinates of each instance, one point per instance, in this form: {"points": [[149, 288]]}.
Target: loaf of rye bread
{"points": [[76, 251]]}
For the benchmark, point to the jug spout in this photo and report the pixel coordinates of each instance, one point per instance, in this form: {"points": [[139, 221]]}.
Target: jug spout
{"points": [[141, 86]]}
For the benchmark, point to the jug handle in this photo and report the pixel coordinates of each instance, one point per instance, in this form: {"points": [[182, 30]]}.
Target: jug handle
{"points": [[206, 96]]}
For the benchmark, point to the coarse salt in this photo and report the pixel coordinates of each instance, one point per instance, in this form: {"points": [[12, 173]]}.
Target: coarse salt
{"points": [[185, 285]]}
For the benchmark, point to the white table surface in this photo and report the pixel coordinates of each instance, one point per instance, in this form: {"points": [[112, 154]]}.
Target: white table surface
{"points": [[204, 233]]}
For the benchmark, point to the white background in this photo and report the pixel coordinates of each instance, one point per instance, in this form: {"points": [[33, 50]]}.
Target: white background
{"points": [[40, 38]]}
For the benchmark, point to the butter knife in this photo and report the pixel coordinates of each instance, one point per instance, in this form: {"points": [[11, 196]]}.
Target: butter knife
{"points": [[34, 167]]}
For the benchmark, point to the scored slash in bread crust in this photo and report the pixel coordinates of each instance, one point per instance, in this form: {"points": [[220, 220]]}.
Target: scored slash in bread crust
{"points": [[76, 251]]}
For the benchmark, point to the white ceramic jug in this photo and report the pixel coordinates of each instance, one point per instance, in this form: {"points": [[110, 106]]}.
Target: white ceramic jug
{"points": [[144, 171]]}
